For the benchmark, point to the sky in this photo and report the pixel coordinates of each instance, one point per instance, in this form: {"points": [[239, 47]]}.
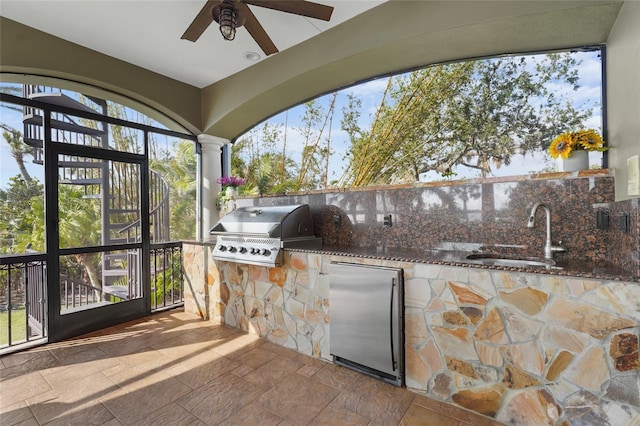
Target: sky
{"points": [[370, 93]]}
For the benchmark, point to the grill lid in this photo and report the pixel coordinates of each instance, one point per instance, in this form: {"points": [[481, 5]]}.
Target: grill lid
{"points": [[258, 235], [283, 222]]}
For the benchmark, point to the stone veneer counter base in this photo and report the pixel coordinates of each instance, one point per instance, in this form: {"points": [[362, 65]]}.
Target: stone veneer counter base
{"points": [[523, 348]]}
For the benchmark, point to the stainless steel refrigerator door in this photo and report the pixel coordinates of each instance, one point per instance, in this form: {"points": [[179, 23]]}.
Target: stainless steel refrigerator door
{"points": [[364, 325]]}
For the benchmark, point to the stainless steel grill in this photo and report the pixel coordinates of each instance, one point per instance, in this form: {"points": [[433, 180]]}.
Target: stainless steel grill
{"points": [[258, 235]]}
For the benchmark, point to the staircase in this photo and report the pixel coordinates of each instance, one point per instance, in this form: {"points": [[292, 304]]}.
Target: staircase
{"points": [[114, 183]]}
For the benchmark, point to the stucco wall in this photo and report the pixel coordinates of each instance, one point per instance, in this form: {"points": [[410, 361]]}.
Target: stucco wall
{"points": [[395, 36], [24, 50], [623, 93]]}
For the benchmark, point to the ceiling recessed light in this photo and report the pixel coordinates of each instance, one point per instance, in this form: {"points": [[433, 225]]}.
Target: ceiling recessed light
{"points": [[252, 56]]}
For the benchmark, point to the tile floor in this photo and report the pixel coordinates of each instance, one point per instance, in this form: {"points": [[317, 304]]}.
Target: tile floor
{"points": [[174, 369]]}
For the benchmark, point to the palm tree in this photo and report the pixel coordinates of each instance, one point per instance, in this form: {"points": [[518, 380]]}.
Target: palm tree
{"points": [[79, 226], [18, 150]]}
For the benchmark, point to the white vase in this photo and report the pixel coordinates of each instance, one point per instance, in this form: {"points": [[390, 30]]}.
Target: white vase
{"points": [[231, 192], [578, 160]]}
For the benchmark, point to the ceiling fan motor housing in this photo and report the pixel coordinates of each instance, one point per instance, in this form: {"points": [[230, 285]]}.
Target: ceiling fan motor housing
{"points": [[217, 11]]}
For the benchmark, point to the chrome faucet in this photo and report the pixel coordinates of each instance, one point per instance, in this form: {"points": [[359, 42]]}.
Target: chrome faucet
{"points": [[549, 248]]}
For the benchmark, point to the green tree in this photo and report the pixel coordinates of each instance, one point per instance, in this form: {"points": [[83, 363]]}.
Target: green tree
{"points": [[262, 156], [178, 169], [406, 117], [314, 165], [79, 225], [265, 168], [475, 114], [19, 150], [17, 217], [166, 279]]}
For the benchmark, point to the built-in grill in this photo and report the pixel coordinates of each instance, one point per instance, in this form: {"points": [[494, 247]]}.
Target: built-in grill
{"points": [[258, 235]]}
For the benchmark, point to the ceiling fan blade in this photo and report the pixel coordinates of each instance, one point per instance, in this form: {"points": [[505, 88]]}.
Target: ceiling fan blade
{"points": [[257, 32], [201, 22], [298, 7]]}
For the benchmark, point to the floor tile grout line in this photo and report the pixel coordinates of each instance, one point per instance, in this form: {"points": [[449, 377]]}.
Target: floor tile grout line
{"points": [[114, 385], [413, 397], [192, 413], [205, 384], [26, 400], [304, 378], [112, 413], [282, 419], [265, 408], [33, 415], [329, 403]]}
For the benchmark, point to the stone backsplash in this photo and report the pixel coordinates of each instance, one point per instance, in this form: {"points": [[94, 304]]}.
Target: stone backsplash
{"points": [[490, 213], [525, 349]]}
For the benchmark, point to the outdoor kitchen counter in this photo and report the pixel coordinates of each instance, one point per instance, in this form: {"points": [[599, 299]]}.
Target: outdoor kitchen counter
{"points": [[577, 268], [507, 327], [600, 270]]}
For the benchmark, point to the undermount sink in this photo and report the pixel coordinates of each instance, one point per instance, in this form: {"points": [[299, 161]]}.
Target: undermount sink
{"points": [[511, 261]]}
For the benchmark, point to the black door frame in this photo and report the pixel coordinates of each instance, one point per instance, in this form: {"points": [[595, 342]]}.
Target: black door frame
{"points": [[70, 324], [60, 328]]}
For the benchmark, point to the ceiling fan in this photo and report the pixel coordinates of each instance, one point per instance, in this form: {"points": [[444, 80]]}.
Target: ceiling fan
{"points": [[231, 14]]}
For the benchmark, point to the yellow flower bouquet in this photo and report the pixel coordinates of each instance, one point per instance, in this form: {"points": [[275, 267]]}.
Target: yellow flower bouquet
{"points": [[583, 140]]}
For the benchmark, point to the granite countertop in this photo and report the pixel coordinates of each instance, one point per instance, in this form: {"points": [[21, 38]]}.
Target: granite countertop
{"points": [[458, 257]]}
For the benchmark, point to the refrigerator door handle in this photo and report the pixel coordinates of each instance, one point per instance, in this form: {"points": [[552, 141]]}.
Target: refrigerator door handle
{"points": [[393, 357]]}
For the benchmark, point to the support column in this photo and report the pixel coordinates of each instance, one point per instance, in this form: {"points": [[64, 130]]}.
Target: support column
{"points": [[210, 170]]}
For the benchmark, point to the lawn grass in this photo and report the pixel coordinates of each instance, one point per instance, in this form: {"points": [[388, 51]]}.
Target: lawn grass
{"points": [[18, 326]]}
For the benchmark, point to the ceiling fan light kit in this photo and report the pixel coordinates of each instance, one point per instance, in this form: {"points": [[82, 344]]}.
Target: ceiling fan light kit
{"points": [[233, 14], [229, 18]]}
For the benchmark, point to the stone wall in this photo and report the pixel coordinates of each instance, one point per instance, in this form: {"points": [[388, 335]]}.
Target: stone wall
{"points": [[201, 282], [526, 349], [286, 305]]}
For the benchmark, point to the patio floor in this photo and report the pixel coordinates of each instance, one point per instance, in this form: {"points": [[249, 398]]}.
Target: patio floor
{"points": [[174, 369]]}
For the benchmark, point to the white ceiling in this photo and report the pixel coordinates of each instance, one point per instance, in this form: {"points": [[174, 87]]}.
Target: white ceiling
{"points": [[147, 32]]}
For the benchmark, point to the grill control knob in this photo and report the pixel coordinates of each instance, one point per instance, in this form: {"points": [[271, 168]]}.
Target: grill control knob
{"points": [[254, 250], [242, 250], [232, 249], [222, 248], [265, 252]]}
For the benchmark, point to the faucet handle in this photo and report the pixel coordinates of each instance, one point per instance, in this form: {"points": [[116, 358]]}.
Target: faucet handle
{"points": [[559, 248]]}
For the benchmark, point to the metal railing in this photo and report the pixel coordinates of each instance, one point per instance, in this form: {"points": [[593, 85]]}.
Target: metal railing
{"points": [[167, 278], [34, 129], [76, 294], [158, 214], [22, 299], [23, 302]]}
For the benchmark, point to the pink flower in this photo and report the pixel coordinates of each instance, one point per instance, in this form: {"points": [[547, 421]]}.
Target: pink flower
{"points": [[233, 181]]}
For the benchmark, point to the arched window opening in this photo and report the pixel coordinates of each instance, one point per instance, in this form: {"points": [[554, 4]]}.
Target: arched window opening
{"points": [[477, 118], [171, 158]]}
